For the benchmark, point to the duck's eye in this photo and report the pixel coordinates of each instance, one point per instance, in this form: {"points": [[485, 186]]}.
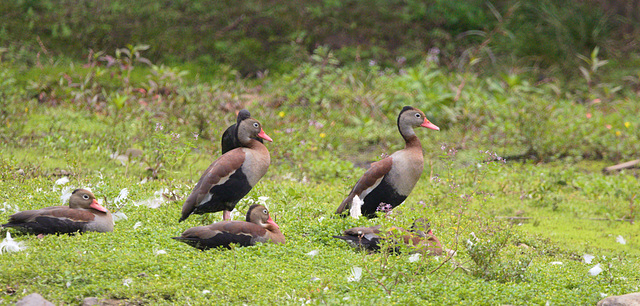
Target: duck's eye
{"points": [[265, 212], [418, 115], [85, 196], [256, 125]]}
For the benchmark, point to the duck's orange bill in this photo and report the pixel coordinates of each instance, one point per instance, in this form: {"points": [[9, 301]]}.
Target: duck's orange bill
{"points": [[429, 125], [97, 206], [264, 135], [270, 221]]}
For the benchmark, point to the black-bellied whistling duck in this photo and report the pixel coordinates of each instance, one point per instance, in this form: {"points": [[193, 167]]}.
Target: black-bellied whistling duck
{"points": [[230, 136], [259, 227], [391, 179], [232, 175], [83, 214], [419, 238]]}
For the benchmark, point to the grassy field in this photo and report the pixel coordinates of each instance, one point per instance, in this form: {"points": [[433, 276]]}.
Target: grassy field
{"points": [[520, 229]]}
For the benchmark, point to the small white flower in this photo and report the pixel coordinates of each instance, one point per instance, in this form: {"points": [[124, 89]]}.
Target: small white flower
{"points": [[138, 224], [9, 245], [604, 295], [127, 282], [415, 257], [313, 253], [68, 284], [356, 274], [160, 252], [63, 180], [588, 258], [621, 240], [356, 207], [469, 243], [206, 291], [263, 200], [595, 270], [556, 262], [314, 279]]}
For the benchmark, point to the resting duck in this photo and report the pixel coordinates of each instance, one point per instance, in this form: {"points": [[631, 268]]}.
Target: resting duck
{"points": [[231, 177], [419, 238], [230, 136], [391, 179], [259, 227], [83, 214]]}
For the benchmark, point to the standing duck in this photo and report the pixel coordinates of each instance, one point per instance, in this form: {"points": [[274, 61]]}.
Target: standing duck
{"points": [[419, 238], [83, 214], [230, 136], [391, 179], [259, 227], [232, 175]]}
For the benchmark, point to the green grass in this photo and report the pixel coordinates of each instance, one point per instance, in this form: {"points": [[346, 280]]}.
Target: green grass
{"points": [[322, 140], [68, 268]]}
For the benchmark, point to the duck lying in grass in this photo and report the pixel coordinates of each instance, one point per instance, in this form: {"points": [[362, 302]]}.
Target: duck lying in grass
{"points": [[83, 214], [419, 238], [259, 227]]}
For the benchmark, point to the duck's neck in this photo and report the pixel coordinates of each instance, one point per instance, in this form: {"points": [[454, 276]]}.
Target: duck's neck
{"points": [[409, 136], [412, 142], [254, 144]]}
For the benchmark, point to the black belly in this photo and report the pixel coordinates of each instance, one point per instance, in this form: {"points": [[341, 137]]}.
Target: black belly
{"points": [[227, 195], [222, 239], [383, 193]]}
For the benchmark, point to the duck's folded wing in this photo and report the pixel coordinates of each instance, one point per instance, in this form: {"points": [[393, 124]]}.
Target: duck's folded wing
{"points": [[369, 180], [222, 234], [60, 219], [217, 173]]}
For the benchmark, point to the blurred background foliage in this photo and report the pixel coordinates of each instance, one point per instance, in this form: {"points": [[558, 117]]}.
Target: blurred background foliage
{"points": [[542, 80], [258, 35]]}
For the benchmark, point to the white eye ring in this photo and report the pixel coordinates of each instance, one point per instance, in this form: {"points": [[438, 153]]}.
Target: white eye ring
{"points": [[265, 212], [85, 196], [256, 125], [417, 115]]}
